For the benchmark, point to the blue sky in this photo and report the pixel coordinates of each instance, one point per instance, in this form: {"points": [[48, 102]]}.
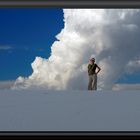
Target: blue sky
{"points": [[29, 32], [129, 78], [25, 34]]}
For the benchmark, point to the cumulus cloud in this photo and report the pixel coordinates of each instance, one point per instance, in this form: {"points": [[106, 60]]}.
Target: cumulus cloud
{"points": [[6, 84], [110, 35], [126, 87], [133, 66]]}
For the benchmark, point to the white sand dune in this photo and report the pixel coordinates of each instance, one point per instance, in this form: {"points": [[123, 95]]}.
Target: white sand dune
{"points": [[42, 110]]}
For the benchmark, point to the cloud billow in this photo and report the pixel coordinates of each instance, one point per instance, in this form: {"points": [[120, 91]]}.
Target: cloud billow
{"points": [[110, 35]]}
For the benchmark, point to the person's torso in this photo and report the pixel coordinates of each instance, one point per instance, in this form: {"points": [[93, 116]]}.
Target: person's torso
{"points": [[92, 69]]}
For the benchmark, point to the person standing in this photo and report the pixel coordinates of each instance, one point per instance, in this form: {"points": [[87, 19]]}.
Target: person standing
{"points": [[92, 67]]}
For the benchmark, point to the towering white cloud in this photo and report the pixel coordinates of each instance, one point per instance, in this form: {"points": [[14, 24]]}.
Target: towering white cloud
{"points": [[110, 35]]}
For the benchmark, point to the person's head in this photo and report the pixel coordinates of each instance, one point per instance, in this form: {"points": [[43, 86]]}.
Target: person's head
{"points": [[92, 60]]}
